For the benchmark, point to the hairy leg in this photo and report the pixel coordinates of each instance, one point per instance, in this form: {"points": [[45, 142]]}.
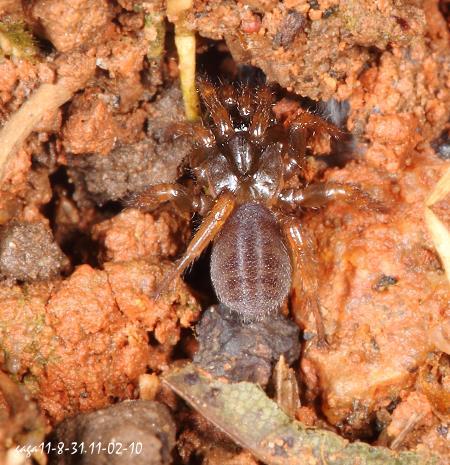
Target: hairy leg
{"points": [[312, 123], [305, 276], [210, 226], [301, 126], [239, 99], [294, 160], [245, 104], [229, 96], [223, 127], [155, 195], [184, 200], [320, 194], [262, 115]]}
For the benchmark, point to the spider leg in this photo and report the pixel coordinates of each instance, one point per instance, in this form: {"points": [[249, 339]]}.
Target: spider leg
{"points": [[262, 116], [239, 99], [305, 274], [204, 144], [202, 139], [201, 136], [245, 103], [229, 96], [210, 226], [149, 199], [301, 125], [223, 126], [295, 158], [320, 194], [312, 123]]}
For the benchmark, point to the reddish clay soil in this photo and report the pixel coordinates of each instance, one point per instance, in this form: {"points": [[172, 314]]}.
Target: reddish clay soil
{"points": [[79, 324]]}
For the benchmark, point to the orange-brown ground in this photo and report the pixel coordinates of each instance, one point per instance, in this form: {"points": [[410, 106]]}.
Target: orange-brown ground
{"points": [[79, 337], [383, 293]]}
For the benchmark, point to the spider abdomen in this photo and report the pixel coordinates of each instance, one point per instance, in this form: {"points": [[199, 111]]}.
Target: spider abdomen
{"points": [[250, 264]]}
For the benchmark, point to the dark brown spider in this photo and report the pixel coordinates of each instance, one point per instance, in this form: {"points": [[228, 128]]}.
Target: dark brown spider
{"points": [[241, 160]]}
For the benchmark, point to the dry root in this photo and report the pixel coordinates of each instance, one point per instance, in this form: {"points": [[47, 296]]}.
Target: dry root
{"points": [[439, 232]]}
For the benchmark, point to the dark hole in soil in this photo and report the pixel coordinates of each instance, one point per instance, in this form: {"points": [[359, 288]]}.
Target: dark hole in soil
{"points": [[199, 278], [441, 145], [186, 347], [76, 244]]}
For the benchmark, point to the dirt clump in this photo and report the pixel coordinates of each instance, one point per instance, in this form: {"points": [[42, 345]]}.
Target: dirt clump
{"points": [[315, 52], [133, 283], [128, 168], [133, 234], [68, 25], [62, 326], [28, 252], [132, 167], [408, 87], [383, 292], [90, 126]]}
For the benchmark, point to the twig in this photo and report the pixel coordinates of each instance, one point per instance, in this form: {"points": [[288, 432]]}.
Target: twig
{"points": [[185, 43], [47, 98], [439, 233], [410, 425], [286, 388], [441, 189]]}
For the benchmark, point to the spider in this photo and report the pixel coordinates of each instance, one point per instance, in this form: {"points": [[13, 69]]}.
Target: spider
{"points": [[241, 160]]}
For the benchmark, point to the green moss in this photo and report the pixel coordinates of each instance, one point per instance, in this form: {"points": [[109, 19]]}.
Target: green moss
{"points": [[155, 31], [15, 40]]}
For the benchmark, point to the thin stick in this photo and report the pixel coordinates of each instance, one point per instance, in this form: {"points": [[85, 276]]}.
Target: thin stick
{"points": [[441, 189], [185, 43], [439, 232], [411, 423], [440, 237], [47, 98]]}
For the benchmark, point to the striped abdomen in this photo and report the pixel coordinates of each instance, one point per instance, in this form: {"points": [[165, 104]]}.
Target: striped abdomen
{"points": [[250, 264]]}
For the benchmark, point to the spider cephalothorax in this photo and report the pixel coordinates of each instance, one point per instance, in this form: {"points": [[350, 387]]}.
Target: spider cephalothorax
{"points": [[241, 158]]}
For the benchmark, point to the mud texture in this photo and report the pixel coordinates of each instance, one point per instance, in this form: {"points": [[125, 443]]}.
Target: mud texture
{"points": [[133, 234], [316, 51], [132, 167]]}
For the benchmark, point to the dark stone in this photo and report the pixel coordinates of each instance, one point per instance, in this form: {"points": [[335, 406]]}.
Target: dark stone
{"points": [[293, 23], [244, 352], [122, 427], [384, 283], [330, 11], [441, 145], [314, 4]]}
